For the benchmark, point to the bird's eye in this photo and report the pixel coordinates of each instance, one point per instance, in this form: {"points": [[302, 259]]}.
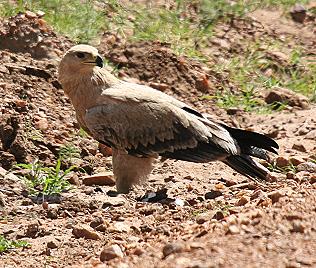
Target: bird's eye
{"points": [[80, 55]]}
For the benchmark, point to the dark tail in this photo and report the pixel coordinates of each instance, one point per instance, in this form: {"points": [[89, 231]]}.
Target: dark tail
{"points": [[251, 144], [247, 166]]}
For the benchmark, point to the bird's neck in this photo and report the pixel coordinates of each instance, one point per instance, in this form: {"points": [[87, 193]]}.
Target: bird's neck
{"points": [[84, 89]]}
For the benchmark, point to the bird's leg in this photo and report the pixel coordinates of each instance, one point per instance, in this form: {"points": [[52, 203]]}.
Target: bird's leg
{"points": [[130, 170]]}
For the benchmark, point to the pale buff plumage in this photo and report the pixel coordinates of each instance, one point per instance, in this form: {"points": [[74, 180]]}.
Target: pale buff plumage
{"points": [[141, 123]]}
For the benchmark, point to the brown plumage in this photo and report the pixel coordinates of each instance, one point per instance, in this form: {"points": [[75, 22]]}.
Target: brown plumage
{"points": [[141, 123]]}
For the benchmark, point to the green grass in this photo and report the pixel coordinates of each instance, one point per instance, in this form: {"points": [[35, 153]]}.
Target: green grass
{"points": [[80, 20], [6, 244], [68, 152], [45, 181]]}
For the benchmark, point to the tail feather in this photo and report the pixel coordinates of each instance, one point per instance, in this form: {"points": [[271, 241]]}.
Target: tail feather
{"points": [[248, 140], [245, 165]]}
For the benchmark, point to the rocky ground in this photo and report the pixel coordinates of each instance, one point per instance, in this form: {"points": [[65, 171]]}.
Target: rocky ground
{"points": [[187, 215]]}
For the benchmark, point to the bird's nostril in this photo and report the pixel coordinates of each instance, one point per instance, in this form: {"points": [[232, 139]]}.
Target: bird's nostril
{"points": [[99, 61]]}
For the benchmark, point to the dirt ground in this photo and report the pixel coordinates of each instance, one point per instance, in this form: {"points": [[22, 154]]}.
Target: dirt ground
{"points": [[186, 215]]}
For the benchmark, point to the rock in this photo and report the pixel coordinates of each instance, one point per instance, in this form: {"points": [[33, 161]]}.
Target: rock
{"points": [[111, 252], [32, 230], [311, 135], [296, 160], [160, 86], [233, 229], [96, 222], [298, 13], [242, 201], [298, 227], [281, 161], [204, 217], [284, 95], [115, 201], [30, 14], [307, 166], [105, 150], [103, 178], [299, 147], [85, 231], [2, 200], [52, 244], [279, 57], [213, 194], [275, 196], [172, 248], [41, 124]]}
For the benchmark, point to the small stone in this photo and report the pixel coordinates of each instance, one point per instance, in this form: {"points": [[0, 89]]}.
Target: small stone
{"points": [[30, 15], [20, 103], [284, 95], [275, 196], [138, 251], [45, 205], [299, 147], [296, 161], [111, 252], [311, 135], [85, 231], [160, 86], [40, 13], [105, 150], [172, 248], [52, 244], [102, 227], [96, 222], [242, 201], [281, 161], [298, 227], [103, 178], [307, 166], [32, 230], [298, 13], [204, 217], [41, 124], [213, 194], [233, 229]]}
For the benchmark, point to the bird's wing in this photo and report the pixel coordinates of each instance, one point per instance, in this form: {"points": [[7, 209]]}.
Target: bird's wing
{"points": [[149, 122]]}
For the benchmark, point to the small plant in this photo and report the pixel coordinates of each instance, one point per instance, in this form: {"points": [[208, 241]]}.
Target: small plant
{"points": [[69, 152], [46, 180], [289, 168], [6, 244]]}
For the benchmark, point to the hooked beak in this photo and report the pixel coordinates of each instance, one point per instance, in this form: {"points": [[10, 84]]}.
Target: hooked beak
{"points": [[99, 61]]}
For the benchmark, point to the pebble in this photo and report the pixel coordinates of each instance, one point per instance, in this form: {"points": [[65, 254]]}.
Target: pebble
{"points": [[204, 217], [242, 201], [233, 229], [41, 124], [111, 252], [213, 194], [296, 160], [52, 244], [103, 178], [275, 196], [298, 227], [298, 13], [172, 248], [85, 231], [299, 147], [307, 166], [281, 161]]}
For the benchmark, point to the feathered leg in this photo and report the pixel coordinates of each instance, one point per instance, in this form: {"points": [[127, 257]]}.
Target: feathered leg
{"points": [[130, 170]]}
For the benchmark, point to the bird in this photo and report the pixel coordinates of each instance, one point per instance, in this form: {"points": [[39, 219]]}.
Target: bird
{"points": [[141, 124]]}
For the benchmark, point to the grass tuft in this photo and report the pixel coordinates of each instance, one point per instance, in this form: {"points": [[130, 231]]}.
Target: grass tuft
{"points": [[6, 244], [45, 181]]}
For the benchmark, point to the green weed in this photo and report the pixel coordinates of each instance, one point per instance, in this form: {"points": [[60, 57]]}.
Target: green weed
{"points": [[6, 244], [68, 152], [82, 21], [45, 180]]}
